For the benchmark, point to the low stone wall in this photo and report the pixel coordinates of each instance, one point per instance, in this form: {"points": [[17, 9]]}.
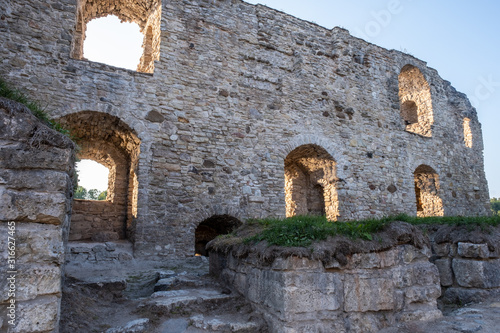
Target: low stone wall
{"points": [[372, 291], [468, 272], [36, 168]]}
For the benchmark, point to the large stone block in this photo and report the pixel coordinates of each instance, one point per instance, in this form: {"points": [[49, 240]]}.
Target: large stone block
{"points": [[37, 180], [33, 281], [33, 158], [368, 294], [469, 250], [30, 206], [477, 274], [445, 271], [39, 315]]}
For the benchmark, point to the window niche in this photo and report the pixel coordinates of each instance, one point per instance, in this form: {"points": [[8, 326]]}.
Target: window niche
{"points": [[415, 101], [212, 227], [427, 192], [467, 133], [145, 13], [310, 183]]}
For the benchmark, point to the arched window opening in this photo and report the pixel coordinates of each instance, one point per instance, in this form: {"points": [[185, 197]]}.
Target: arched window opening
{"points": [[212, 227], [467, 133], [427, 192], [93, 180], [310, 183], [415, 101], [107, 140], [114, 43], [146, 14]]}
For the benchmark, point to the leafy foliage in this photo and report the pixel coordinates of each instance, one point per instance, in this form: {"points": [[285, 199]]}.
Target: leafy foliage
{"points": [[92, 194], [34, 107], [301, 231], [495, 206]]}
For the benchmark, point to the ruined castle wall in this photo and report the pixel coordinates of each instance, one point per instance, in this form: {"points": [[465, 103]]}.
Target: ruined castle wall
{"points": [[236, 89], [36, 170]]}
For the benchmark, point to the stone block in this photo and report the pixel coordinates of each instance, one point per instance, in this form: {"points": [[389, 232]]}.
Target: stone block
{"points": [[36, 243], [477, 274], [427, 294], [297, 264], [38, 180], [470, 250], [28, 206], [374, 259], [368, 294], [33, 281], [441, 250], [445, 271], [33, 158], [39, 315], [425, 273]]}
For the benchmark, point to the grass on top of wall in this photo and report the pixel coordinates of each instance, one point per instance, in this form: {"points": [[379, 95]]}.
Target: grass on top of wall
{"points": [[39, 112], [302, 231]]}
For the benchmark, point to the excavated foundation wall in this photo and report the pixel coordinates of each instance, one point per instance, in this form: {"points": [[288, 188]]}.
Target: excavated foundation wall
{"points": [[370, 292], [36, 171], [234, 90]]}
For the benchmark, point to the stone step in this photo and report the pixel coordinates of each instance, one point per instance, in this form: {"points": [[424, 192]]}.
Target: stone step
{"points": [[185, 300], [184, 281], [226, 323]]}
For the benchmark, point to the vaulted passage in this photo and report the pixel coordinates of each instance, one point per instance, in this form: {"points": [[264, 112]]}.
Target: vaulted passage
{"points": [[106, 140], [310, 183], [415, 101], [427, 192], [145, 13], [211, 228]]}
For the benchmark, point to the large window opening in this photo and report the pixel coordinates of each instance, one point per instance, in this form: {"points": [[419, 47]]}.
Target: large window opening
{"points": [[114, 43], [415, 101], [105, 16], [105, 139], [427, 192], [212, 227], [310, 183], [93, 180]]}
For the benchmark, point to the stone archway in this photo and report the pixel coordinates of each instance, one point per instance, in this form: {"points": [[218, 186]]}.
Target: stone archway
{"points": [[109, 141], [427, 192], [212, 227], [310, 183]]}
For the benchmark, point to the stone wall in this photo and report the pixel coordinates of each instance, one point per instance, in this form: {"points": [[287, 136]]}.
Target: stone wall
{"points": [[372, 291], [36, 170], [235, 89], [468, 272]]}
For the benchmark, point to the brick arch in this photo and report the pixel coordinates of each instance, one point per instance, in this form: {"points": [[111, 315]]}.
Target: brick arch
{"points": [[145, 13], [107, 140], [311, 182]]}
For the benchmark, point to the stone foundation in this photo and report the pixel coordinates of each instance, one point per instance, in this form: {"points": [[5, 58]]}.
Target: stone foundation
{"points": [[468, 272], [373, 291], [36, 170]]}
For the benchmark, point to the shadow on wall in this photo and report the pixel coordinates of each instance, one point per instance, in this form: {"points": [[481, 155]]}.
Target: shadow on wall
{"points": [[212, 227]]}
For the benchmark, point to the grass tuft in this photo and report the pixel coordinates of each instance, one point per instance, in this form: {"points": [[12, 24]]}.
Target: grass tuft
{"points": [[37, 110], [302, 231]]}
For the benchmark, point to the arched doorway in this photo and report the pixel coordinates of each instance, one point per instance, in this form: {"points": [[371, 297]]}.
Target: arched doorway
{"points": [[107, 140], [310, 183], [427, 192], [211, 228]]}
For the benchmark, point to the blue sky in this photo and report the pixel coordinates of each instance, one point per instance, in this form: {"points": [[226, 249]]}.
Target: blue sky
{"points": [[458, 38]]}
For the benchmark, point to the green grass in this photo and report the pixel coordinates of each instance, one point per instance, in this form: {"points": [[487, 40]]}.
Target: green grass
{"points": [[302, 231], [39, 112]]}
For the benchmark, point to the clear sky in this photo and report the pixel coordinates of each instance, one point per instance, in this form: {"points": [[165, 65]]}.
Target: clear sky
{"points": [[460, 39]]}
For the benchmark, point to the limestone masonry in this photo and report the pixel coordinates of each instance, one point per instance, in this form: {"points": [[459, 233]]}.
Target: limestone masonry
{"points": [[240, 111]]}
